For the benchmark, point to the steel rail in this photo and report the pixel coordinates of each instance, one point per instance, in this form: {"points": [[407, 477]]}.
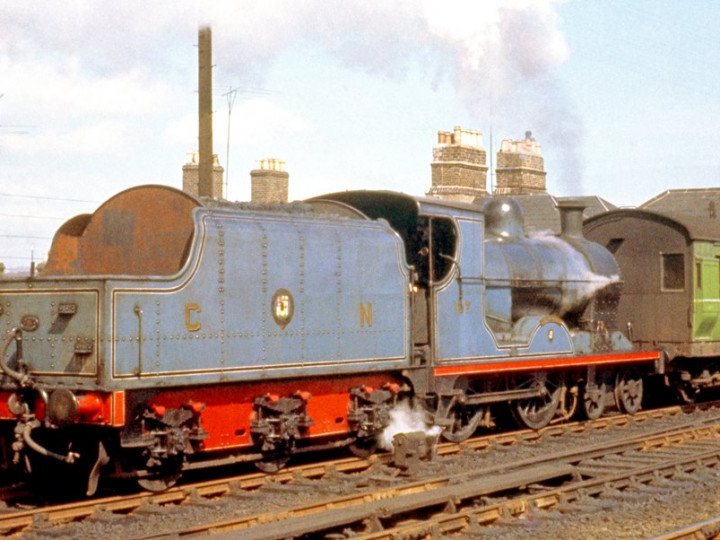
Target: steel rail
{"points": [[449, 491], [576, 492], [12, 520], [704, 530]]}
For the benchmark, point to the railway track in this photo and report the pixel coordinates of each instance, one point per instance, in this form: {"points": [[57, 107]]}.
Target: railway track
{"points": [[458, 503], [297, 479], [706, 530]]}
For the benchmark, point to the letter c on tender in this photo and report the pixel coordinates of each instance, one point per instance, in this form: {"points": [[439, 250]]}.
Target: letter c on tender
{"points": [[190, 325]]}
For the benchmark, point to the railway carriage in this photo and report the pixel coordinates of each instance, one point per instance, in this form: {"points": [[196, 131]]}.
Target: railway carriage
{"points": [[671, 299], [167, 333]]}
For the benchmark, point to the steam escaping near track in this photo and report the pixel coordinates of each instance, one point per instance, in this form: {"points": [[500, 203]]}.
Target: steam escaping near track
{"points": [[405, 419]]}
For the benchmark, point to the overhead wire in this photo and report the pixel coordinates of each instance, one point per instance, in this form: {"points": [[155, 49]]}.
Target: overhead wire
{"points": [[63, 199], [37, 216]]}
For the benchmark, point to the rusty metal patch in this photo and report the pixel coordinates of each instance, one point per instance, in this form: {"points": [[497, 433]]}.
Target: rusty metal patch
{"points": [[282, 307]]}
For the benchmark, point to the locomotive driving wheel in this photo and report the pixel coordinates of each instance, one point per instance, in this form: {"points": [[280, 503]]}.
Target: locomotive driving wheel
{"points": [[464, 422], [594, 398], [458, 419], [537, 412], [629, 391]]}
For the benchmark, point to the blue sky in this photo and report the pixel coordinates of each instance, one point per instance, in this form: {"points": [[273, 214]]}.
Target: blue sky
{"points": [[98, 96]]}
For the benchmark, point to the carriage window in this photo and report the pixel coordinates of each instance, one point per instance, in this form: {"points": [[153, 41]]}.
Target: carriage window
{"points": [[673, 272]]}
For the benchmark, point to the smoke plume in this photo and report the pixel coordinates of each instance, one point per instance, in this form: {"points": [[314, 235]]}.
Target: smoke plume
{"points": [[500, 54]]}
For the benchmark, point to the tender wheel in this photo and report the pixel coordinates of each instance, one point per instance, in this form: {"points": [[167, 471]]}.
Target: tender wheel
{"points": [[159, 481], [594, 398], [163, 475], [629, 391], [536, 413], [465, 421], [363, 447], [272, 463]]}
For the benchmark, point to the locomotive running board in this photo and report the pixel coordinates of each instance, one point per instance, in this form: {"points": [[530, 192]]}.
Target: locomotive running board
{"points": [[515, 365]]}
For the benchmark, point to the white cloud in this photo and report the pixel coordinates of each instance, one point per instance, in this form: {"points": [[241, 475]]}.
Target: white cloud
{"points": [[254, 122], [262, 120], [47, 91], [105, 36], [107, 89], [107, 137]]}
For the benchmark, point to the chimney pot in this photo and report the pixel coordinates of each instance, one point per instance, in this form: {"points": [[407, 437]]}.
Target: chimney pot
{"points": [[571, 218]]}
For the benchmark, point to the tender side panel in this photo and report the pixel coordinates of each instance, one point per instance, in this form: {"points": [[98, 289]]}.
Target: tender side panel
{"points": [[271, 296], [59, 329]]}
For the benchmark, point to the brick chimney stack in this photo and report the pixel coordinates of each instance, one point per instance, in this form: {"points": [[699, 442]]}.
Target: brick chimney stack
{"points": [[459, 170], [520, 167], [191, 176], [269, 181]]}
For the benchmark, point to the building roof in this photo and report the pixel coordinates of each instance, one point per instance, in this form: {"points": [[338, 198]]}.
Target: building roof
{"points": [[541, 213], [695, 228], [699, 203]]}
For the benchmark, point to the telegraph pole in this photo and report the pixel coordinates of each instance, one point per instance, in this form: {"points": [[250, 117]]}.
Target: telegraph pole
{"points": [[205, 133]]}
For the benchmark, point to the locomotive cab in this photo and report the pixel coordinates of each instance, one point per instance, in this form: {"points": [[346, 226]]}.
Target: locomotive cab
{"points": [[431, 243]]}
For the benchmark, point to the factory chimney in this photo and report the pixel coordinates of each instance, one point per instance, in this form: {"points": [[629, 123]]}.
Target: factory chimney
{"points": [[205, 133]]}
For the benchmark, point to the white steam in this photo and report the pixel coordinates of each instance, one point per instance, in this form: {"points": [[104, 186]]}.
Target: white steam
{"points": [[405, 419], [500, 54], [580, 283], [496, 49]]}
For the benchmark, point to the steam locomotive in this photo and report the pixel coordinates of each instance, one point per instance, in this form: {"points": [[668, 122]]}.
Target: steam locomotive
{"points": [[168, 333]]}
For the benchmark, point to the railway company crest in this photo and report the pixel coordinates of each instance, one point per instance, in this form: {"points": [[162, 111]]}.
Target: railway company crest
{"points": [[282, 306]]}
